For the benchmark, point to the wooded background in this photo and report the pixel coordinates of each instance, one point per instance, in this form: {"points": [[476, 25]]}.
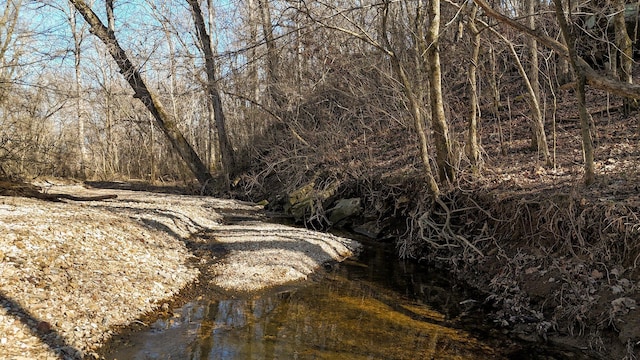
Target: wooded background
{"points": [[244, 89]]}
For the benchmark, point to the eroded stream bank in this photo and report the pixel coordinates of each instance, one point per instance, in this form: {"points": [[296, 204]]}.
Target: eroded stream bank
{"points": [[370, 307], [557, 263]]}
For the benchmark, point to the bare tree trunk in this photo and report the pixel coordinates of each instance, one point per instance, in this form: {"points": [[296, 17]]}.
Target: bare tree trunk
{"points": [[112, 151], [414, 103], [534, 104], [538, 137], [410, 89], [533, 49], [111, 19], [213, 146], [152, 156], [149, 99], [495, 92], [472, 138], [110, 156], [273, 77], [8, 21], [565, 75], [111, 146], [624, 49], [253, 40], [593, 78], [77, 42], [444, 154], [299, 58], [226, 152], [585, 118], [418, 122]]}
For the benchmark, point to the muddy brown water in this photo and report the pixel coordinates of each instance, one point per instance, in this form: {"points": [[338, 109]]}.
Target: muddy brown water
{"points": [[372, 307]]}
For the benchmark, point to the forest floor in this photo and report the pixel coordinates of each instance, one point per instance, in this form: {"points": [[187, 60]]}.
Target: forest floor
{"points": [[559, 262], [562, 260], [73, 272]]}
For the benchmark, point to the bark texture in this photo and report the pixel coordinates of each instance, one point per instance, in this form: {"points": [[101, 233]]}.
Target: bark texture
{"points": [[273, 77], [472, 139], [538, 138], [624, 49], [414, 103], [444, 154], [585, 118], [614, 86], [226, 152], [149, 99]]}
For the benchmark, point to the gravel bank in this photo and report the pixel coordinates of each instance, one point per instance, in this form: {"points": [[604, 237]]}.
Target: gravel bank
{"points": [[70, 272]]}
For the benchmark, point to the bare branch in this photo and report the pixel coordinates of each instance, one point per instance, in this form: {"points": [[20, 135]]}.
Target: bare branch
{"points": [[594, 79]]}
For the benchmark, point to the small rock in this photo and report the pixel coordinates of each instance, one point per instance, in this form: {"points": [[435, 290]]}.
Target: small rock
{"points": [[371, 229], [597, 274], [622, 305], [531, 270], [43, 327], [615, 289], [344, 209]]}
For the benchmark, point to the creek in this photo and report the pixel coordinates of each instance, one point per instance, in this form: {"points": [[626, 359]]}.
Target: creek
{"points": [[371, 307]]}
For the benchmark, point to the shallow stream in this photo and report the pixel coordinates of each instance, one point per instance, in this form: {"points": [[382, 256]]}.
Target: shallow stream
{"points": [[373, 307]]}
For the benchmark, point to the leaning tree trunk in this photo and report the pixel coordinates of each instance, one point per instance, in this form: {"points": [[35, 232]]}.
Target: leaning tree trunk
{"points": [[534, 104], [418, 122], [585, 118], [444, 154], [149, 99], [228, 161]]}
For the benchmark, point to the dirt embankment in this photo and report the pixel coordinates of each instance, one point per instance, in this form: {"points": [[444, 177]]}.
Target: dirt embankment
{"points": [[560, 266], [557, 260], [73, 272]]}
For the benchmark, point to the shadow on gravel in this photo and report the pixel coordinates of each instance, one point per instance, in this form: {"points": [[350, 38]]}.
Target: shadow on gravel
{"points": [[40, 329]]}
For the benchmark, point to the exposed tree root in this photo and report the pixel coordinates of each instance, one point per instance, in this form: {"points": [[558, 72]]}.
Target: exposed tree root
{"points": [[435, 233]]}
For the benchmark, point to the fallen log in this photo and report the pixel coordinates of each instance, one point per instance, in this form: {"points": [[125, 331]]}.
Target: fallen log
{"points": [[21, 189]]}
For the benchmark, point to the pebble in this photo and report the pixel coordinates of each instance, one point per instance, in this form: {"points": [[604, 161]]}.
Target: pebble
{"points": [[101, 276], [96, 276]]}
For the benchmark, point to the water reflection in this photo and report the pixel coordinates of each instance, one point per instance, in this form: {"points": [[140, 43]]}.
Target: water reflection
{"points": [[361, 310]]}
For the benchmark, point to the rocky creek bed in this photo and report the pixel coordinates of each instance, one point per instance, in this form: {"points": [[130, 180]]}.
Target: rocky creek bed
{"points": [[73, 272]]}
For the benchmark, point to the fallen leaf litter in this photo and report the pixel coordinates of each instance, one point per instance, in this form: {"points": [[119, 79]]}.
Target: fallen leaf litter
{"points": [[72, 272]]}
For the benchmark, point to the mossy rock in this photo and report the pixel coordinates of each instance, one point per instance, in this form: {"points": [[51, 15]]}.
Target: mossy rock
{"points": [[308, 202], [344, 209]]}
